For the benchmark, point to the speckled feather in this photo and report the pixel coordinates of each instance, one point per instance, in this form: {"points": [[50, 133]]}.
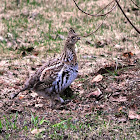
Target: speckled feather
{"points": [[56, 75]]}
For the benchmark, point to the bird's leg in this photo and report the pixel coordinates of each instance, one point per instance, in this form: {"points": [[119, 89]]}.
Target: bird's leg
{"points": [[52, 102], [59, 99]]}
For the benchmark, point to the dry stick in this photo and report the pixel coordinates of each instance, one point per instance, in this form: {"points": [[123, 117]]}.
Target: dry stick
{"points": [[96, 28], [99, 11], [135, 4], [127, 17]]}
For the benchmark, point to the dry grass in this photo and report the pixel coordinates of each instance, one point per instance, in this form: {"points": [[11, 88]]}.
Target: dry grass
{"points": [[28, 39]]}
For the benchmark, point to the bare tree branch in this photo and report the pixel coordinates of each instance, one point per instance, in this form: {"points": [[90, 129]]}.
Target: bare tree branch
{"points": [[135, 4], [96, 28], [96, 15], [127, 17]]}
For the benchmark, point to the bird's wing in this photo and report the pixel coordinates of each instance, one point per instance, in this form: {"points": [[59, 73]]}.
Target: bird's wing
{"points": [[48, 75]]}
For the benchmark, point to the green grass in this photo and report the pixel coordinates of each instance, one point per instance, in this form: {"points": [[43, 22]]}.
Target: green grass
{"points": [[36, 24]]}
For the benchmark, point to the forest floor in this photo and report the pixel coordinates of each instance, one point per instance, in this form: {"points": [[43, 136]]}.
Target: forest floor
{"points": [[104, 100]]}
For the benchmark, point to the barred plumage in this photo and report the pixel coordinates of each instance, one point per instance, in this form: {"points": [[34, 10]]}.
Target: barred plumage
{"points": [[55, 76]]}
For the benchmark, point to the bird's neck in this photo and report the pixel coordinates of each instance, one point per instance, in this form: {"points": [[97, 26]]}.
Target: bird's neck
{"points": [[69, 54]]}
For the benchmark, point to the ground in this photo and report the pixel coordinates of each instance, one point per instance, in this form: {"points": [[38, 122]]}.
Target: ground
{"points": [[102, 103]]}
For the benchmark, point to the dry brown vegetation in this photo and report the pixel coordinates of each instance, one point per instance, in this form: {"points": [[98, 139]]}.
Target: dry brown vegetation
{"points": [[106, 107]]}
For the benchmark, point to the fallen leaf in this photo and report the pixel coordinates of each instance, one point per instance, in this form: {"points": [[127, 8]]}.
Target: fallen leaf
{"points": [[37, 131], [21, 97], [100, 44], [2, 72], [128, 54], [33, 94], [12, 109], [120, 99], [38, 105], [132, 115], [1, 104], [122, 120], [120, 108], [95, 93], [118, 46], [98, 78], [35, 53]]}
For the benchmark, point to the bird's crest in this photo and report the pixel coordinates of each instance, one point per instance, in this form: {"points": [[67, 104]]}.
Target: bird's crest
{"points": [[71, 31]]}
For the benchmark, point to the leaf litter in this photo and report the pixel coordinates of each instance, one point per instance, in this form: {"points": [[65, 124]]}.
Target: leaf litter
{"points": [[117, 71]]}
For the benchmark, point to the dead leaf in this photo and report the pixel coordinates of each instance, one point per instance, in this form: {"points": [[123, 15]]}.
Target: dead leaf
{"points": [[35, 53], [33, 94], [37, 131], [95, 93], [128, 54], [100, 44], [1, 104], [122, 120], [98, 78], [120, 108], [120, 99], [12, 109], [38, 105], [2, 72], [132, 115], [21, 97]]}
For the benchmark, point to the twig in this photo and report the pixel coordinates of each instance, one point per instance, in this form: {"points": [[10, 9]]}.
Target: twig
{"points": [[127, 17], [97, 15], [96, 28], [135, 4]]}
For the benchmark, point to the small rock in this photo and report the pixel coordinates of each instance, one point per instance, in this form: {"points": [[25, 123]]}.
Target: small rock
{"points": [[118, 46], [2, 38], [10, 35], [37, 131], [38, 105]]}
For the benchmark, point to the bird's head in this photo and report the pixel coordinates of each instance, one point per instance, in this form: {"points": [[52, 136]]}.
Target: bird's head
{"points": [[72, 37]]}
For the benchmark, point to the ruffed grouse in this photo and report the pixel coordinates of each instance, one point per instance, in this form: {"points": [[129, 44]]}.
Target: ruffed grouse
{"points": [[55, 76]]}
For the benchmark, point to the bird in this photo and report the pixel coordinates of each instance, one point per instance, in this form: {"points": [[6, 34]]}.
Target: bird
{"points": [[52, 78]]}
